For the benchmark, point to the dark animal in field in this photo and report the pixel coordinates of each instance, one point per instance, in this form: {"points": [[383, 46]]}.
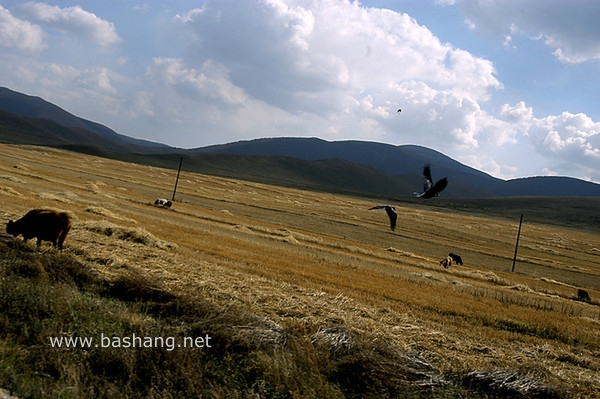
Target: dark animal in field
{"points": [[447, 262], [456, 258], [391, 212], [163, 202], [583, 295], [43, 224], [430, 189]]}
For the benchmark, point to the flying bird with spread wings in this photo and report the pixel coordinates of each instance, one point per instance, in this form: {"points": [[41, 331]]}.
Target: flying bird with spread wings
{"points": [[430, 189], [391, 212]]}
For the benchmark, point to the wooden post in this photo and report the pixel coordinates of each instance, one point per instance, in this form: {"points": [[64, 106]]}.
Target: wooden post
{"points": [[177, 180], [517, 245]]}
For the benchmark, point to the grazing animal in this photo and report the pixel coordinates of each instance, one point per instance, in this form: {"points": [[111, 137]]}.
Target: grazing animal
{"points": [[430, 189], [583, 295], [456, 258], [163, 202], [43, 224], [391, 212], [447, 262]]}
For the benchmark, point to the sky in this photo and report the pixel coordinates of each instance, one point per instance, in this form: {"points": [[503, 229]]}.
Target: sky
{"points": [[509, 87]]}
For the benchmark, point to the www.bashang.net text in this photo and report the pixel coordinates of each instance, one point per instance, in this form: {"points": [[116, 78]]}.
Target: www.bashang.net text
{"points": [[131, 341]]}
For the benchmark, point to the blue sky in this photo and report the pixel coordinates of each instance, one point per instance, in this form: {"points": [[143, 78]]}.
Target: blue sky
{"points": [[509, 87]]}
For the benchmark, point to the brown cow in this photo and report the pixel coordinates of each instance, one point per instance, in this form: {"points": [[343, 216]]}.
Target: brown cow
{"points": [[583, 295], [446, 262], [43, 224], [456, 258]]}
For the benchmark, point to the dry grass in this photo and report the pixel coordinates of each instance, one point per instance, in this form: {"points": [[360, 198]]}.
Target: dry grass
{"points": [[311, 270], [135, 235]]}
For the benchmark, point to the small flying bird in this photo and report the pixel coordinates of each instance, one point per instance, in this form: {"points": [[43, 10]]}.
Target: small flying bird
{"points": [[430, 189], [399, 110], [391, 212]]}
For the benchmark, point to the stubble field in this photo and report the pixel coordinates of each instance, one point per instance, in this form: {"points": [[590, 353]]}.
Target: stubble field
{"points": [[322, 272]]}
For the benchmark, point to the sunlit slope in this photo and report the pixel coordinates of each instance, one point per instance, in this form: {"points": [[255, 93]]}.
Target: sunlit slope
{"points": [[300, 256]]}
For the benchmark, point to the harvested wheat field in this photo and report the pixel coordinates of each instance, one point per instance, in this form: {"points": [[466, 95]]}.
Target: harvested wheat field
{"points": [[293, 293]]}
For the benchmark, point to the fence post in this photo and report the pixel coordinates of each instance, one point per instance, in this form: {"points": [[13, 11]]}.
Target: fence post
{"points": [[177, 180], [517, 245]]}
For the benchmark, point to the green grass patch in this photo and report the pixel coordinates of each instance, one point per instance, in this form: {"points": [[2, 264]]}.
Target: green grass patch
{"points": [[66, 331]]}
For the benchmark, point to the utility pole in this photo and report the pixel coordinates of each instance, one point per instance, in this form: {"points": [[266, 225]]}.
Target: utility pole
{"points": [[517, 245], [177, 180]]}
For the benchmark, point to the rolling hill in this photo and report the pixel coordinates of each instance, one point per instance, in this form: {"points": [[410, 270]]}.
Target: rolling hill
{"points": [[342, 166], [28, 119], [406, 162], [303, 294], [402, 160]]}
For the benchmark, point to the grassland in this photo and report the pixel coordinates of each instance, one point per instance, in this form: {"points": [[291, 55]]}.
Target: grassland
{"points": [[303, 294]]}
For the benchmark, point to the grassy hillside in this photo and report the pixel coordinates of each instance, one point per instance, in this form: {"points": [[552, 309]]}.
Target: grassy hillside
{"points": [[23, 130], [300, 294], [351, 166], [332, 175], [576, 212], [43, 123], [326, 175], [465, 181]]}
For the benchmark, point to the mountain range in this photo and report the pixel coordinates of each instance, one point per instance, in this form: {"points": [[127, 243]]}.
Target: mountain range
{"points": [[341, 166]]}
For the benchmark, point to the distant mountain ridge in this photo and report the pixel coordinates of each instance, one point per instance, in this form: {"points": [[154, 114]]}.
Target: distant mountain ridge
{"points": [[408, 160], [393, 160], [62, 127], [340, 166]]}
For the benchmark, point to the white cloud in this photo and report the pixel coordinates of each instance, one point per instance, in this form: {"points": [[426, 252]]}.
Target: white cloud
{"points": [[520, 114], [335, 69], [74, 20], [569, 28], [569, 143], [572, 137], [484, 162], [100, 79], [549, 172], [265, 54], [189, 16], [93, 88], [19, 34], [347, 66], [209, 82], [142, 104]]}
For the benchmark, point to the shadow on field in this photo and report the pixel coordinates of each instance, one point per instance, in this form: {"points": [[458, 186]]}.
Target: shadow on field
{"points": [[50, 302]]}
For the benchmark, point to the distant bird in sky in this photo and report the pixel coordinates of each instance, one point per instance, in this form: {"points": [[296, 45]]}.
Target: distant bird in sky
{"points": [[399, 110], [430, 189], [391, 212]]}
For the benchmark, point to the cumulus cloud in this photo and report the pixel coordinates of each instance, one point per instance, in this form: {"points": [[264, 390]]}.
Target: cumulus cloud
{"points": [[565, 139], [449, 117], [73, 20], [93, 87], [520, 114], [335, 69], [344, 63], [209, 82], [19, 34], [265, 56], [571, 137], [194, 101], [569, 28]]}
